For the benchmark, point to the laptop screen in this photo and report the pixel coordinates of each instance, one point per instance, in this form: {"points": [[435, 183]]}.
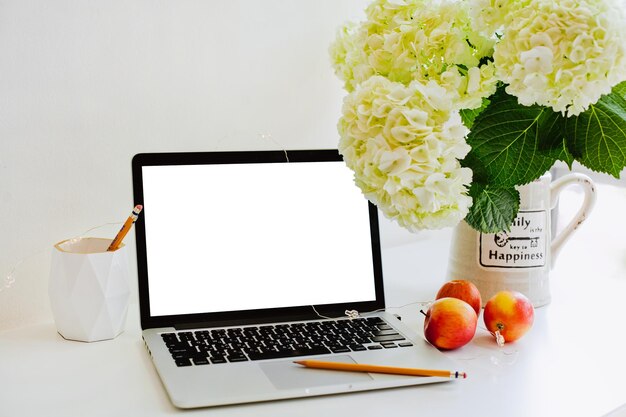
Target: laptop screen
{"points": [[234, 233]]}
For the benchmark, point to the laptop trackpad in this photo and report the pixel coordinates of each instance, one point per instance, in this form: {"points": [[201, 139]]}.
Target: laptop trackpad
{"points": [[288, 375]]}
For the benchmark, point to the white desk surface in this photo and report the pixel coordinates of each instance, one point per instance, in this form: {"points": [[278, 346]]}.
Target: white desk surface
{"points": [[572, 363]]}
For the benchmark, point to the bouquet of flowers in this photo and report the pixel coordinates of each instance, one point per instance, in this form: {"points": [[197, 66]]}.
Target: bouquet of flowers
{"points": [[452, 104]]}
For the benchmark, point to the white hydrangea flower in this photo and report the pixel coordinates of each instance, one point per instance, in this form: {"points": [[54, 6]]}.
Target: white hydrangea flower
{"points": [[563, 54], [348, 57], [403, 144], [413, 64], [489, 16], [418, 40]]}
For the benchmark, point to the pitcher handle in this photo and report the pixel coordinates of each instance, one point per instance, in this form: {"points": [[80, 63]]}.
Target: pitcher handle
{"points": [[589, 201]]}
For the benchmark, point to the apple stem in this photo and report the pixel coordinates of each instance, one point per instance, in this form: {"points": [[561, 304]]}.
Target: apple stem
{"points": [[425, 315]]}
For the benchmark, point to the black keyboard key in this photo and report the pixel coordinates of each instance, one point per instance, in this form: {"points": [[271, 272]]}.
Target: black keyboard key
{"points": [[405, 344], [169, 337], [233, 352], [388, 338], [237, 359], [374, 347], [177, 345], [183, 362], [186, 336], [218, 359], [374, 320], [384, 332], [181, 351], [200, 361], [357, 348], [341, 349]]}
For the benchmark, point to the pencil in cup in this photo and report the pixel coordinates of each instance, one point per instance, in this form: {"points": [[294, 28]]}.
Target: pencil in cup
{"points": [[125, 228], [358, 367]]}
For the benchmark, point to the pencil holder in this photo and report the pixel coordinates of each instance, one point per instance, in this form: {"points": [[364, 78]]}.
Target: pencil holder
{"points": [[89, 289]]}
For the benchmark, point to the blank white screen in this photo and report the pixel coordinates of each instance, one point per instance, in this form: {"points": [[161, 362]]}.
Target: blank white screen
{"points": [[250, 236]]}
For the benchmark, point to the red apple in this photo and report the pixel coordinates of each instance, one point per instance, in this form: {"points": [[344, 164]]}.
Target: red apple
{"points": [[463, 290], [450, 323], [510, 313]]}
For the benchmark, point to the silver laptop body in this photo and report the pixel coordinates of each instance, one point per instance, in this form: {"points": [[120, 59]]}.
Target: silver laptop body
{"points": [[233, 246]]}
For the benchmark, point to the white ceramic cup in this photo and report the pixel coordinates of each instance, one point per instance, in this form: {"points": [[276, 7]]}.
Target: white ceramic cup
{"points": [[520, 259], [89, 289]]}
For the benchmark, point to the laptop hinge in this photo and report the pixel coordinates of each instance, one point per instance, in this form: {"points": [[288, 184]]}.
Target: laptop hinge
{"points": [[243, 322]]}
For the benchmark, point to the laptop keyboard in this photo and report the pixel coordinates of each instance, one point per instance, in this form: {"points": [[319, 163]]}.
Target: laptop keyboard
{"points": [[251, 343]]}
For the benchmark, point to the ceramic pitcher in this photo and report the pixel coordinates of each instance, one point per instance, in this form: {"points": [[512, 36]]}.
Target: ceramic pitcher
{"points": [[519, 259]]}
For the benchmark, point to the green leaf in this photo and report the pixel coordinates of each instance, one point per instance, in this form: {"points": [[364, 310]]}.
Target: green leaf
{"points": [[564, 154], [513, 144], [469, 115], [597, 137], [494, 208], [556, 145], [620, 89]]}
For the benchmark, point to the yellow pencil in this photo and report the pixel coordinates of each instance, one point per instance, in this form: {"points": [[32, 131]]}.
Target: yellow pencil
{"points": [[125, 228], [358, 367]]}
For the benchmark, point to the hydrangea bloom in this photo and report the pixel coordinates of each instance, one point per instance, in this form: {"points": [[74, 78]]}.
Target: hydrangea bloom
{"points": [[564, 54], [403, 144], [348, 57], [418, 40], [489, 16], [412, 65]]}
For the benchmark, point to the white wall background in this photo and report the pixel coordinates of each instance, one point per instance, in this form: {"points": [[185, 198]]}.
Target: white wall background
{"points": [[86, 85]]}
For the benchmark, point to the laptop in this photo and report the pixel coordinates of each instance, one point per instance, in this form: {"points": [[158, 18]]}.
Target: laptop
{"points": [[249, 261]]}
